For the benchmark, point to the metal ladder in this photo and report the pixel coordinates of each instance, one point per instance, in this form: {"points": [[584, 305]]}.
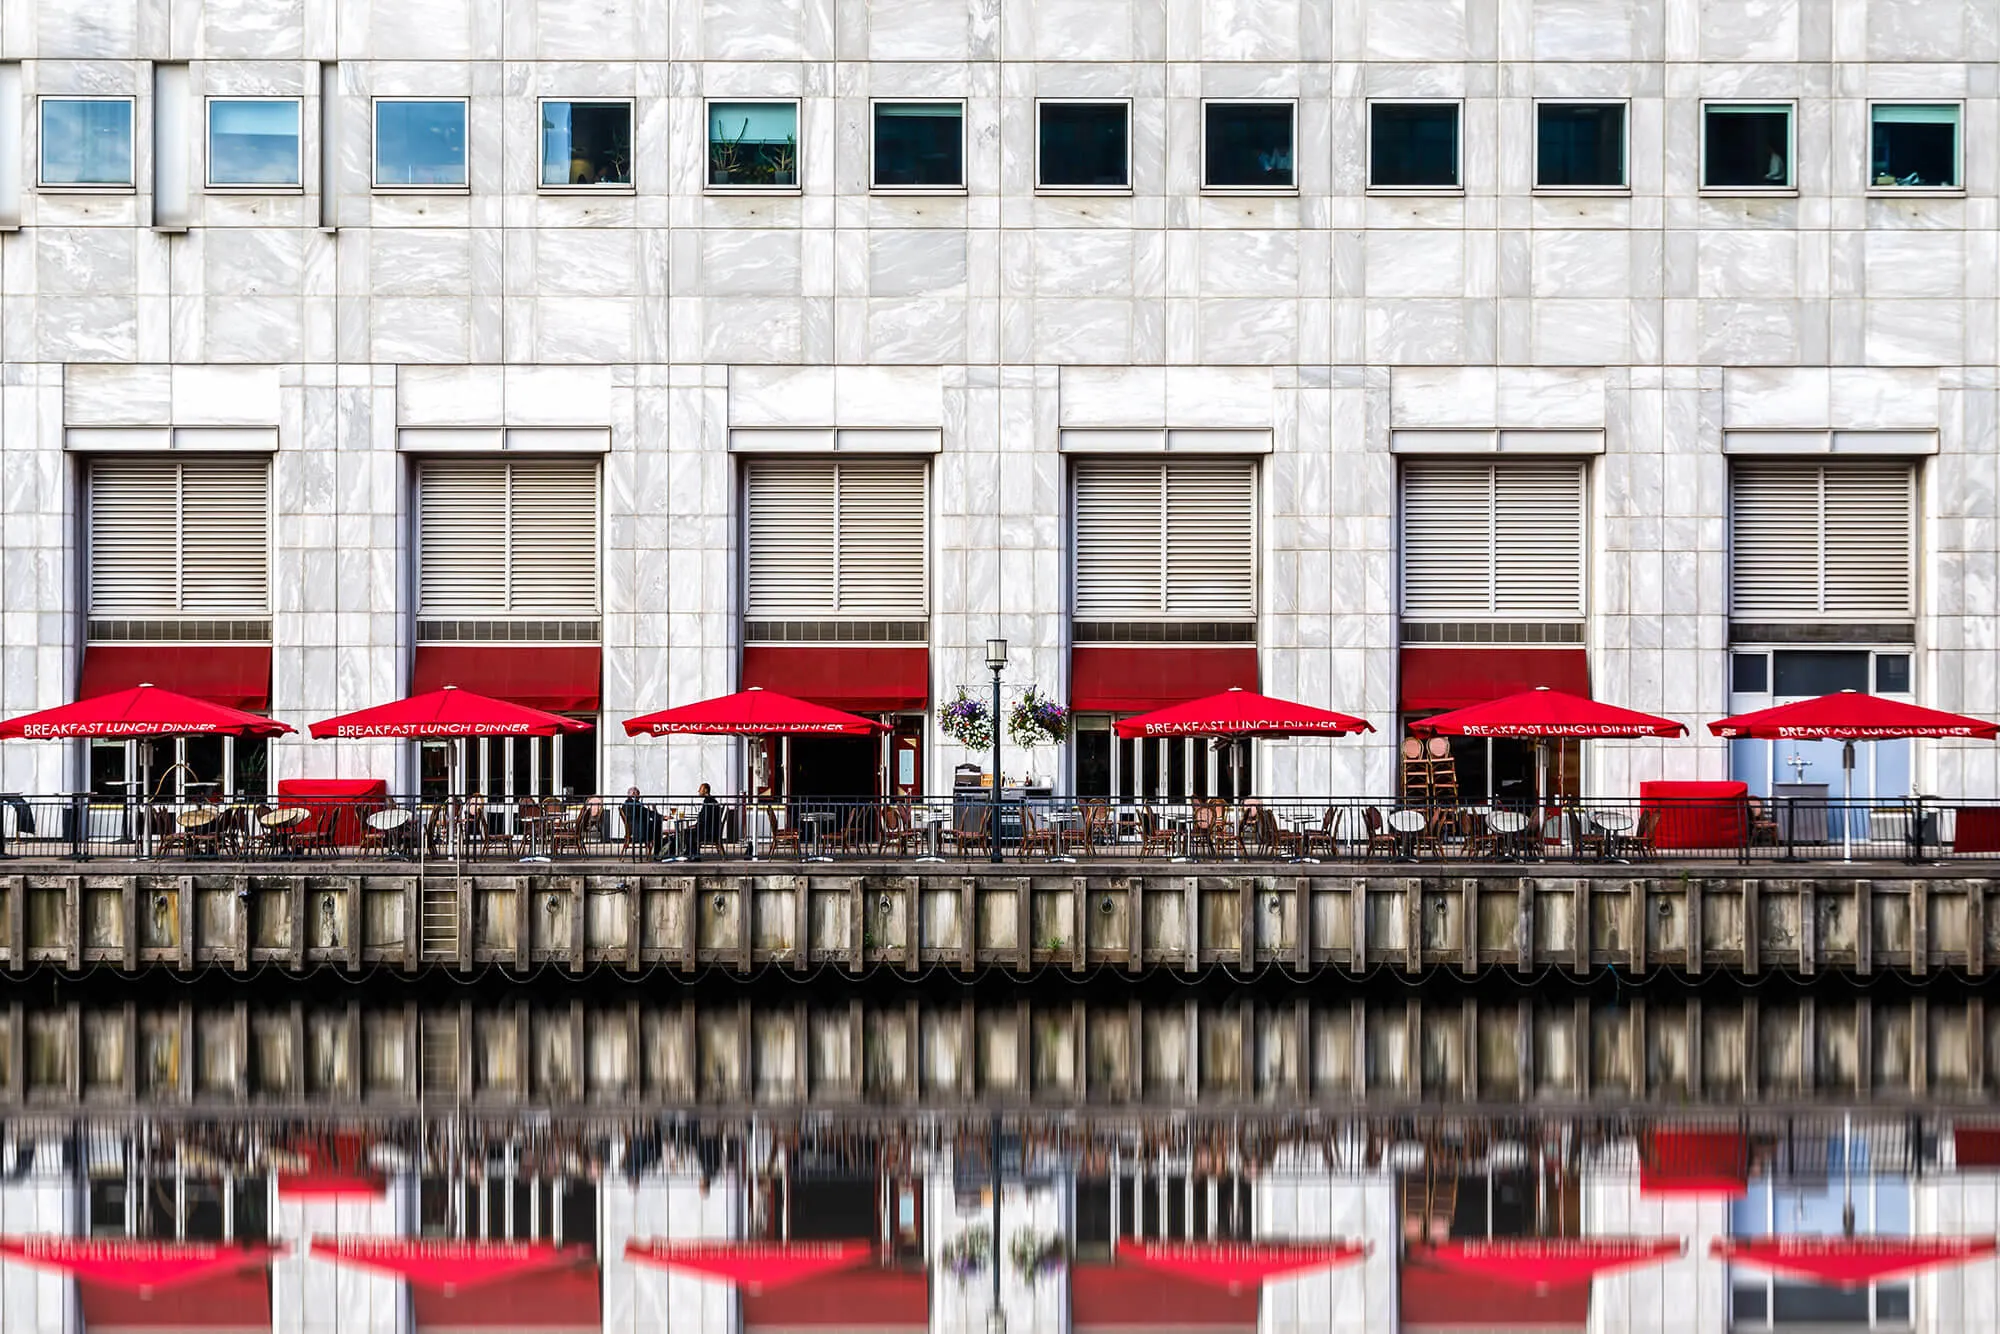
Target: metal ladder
{"points": [[438, 911]]}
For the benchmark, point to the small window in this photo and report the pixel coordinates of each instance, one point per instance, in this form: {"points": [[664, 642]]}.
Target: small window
{"points": [[420, 145], [1247, 146], [1808, 673], [1750, 673], [586, 144], [1746, 146], [1892, 673], [1413, 145], [1083, 146], [253, 141], [753, 145], [919, 146], [86, 142], [1580, 145], [1914, 147]]}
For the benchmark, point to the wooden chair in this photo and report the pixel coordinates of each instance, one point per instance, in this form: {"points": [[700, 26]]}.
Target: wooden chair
{"points": [[970, 829], [562, 829], [1760, 825], [1645, 840], [483, 840], [900, 833], [1482, 840], [1096, 830], [1257, 831], [1324, 841], [1208, 830], [785, 840], [1156, 837], [1036, 836], [1380, 837]]}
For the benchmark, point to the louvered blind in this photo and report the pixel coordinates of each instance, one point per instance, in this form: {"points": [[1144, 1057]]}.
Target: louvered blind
{"points": [[1811, 541], [180, 536], [832, 538], [1174, 537], [1493, 539], [507, 537]]}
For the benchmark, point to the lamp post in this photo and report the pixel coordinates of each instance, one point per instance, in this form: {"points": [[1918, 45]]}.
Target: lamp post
{"points": [[996, 660]]}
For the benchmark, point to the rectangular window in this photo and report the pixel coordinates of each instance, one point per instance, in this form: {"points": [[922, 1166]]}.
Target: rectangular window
{"points": [[586, 144], [420, 145], [1892, 673], [1498, 540], [1413, 145], [836, 539], [1760, 1300], [1165, 539], [1746, 146], [507, 538], [919, 145], [1083, 145], [1813, 542], [753, 144], [180, 537], [1750, 673], [253, 141], [1914, 147], [1580, 145], [86, 142], [1247, 145]]}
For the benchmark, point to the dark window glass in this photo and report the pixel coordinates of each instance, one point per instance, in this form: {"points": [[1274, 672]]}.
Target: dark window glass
{"points": [[433, 1207], [203, 1210], [1801, 673], [1093, 762], [1892, 673], [159, 1211], [579, 1213], [1093, 1218], [252, 1205], [522, 1225], [1914, 146], [579, 763], [1580, 145], [1469, 1215], [1514, 1206], [1749, 1304], [1174, 1221], [1248, 144], [1413, 144], [107, 768], [1131, 1208], [1746, 147], [1083, 144], [919, 143], [1811, 1304], [252, 766], [833, 1208], [107, 1207], [1750, 673], [586, 143], [1892, 1303], [204, 757]]}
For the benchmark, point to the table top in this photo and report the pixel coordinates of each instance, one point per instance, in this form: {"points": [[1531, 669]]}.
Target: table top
{"points": [[1508, 822], [200, 817], [1406, 822], [393, 818], [1615, 821], [285, 815], [817, 817]]}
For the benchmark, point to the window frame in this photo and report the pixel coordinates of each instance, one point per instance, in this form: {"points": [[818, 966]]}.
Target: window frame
{"points": [[798, 185], [127, 187], [1915, 191], [1457, 188], [541, 147], [1252, 191], [1624, 105], [375, 148], [964, 145], [1789, 190], [1102, 191], [212, 186]]}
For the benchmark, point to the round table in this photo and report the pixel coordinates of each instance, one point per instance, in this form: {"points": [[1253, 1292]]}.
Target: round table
{"points": [[201, 817], [813, 821], [1407, 824], [392, 824], [281, 823], [1059, 821], [1509, 825], [929, 820], [1610, 824]]}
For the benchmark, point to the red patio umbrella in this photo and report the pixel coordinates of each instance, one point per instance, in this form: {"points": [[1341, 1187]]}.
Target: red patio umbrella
{"points": [[1543, 714], [1239, 712], [142, 711], [752, 712], [1849, 716], [449, 712]]}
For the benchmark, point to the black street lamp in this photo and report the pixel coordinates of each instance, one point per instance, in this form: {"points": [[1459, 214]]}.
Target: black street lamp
{"points": [[996, 659]]}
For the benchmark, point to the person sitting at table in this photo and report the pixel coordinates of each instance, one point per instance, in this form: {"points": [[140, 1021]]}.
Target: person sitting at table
{"points": [[643, 826], [707, 821]]}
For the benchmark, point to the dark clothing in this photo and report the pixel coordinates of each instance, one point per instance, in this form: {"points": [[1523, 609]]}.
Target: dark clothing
{"points": [[643, 825], [708, 823]]}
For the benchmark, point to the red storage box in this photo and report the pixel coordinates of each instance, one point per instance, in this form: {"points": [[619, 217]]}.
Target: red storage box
{"points": [[1697, 815], [339, 806]]}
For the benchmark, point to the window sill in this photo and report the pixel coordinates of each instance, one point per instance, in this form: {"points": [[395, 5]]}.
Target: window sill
{"points": [[86, 189], [1084, 191], [421, 190], [1582, 191], [586, 191], [751, 191], [1749, 192], [917, 191], [1250, 191], [1916, 192], [1417, 191], [253, 190]]}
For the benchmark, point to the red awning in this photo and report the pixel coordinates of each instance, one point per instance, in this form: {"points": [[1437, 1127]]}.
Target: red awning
{"points": [[1850, 1262], [1238, 1266], [238, 675], [880, 1301], [1452, 678], [1543, 712], [558, 678], [1975, 1146], [1852, 716], [448, 712], [449, 1267], [874, 678], [1436, 1300], [752, 712], [1694, 1162], [1125, 1299], [1239, 712], [753, 1265], [141, 710], [136, 1265], [1134, 679], [1542, 1263], [334, 1167]]}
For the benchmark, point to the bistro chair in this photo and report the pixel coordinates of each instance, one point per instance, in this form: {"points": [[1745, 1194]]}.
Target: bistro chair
{"points": [[1157, 838], [1035, 836], [562, 829], [1380, 837], [970, 830]]}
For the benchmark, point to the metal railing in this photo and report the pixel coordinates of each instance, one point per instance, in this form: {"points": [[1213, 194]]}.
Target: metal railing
{"points": [[969, 827]]}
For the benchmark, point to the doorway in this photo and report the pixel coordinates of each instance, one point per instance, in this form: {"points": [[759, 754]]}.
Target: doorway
{"points": [[834, 766]]}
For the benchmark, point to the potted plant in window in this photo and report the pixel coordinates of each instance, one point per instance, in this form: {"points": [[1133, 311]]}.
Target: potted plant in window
{"points": [[785, 162], [725, 157]]}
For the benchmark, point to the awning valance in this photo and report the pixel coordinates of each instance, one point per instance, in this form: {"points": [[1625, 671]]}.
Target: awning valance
{"points": [[885, 678], [135, 1265], [1694, 1162], [1455, 678], [449, 1266], [1850, 1262], [236, 675], [1542, 1263], [1107, 678], [559, 678]]}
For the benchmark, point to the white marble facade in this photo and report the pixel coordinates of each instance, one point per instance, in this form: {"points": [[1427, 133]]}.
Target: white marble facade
{"points": [[1660, 315]]}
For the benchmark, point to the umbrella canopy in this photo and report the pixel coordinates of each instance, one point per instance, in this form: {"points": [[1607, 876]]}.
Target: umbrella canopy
{"points": [[1852, 716], [449, 712], [141, 711], [1239, 712], [1547, 713], [752, 712]]}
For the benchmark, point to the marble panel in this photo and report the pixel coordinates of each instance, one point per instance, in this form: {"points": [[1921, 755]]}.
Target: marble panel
{"points": [[916, 263], [1415, 263], [750, 263]]}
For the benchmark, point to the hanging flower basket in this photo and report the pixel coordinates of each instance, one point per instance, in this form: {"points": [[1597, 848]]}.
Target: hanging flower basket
{"points": [[966, 1254], [967, 721], [1036, 720], [1035, 1254]]}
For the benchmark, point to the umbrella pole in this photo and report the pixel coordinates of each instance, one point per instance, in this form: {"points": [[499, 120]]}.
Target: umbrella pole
{"points": [[1847, 801]]}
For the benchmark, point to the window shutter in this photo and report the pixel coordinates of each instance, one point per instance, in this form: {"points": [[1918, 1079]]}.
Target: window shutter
{"points": [[180, 536], [507, 537], [462, 537], [1121, 508], [1493, 540], [1175, 537], [1211, 539], [881, 554], [789, 536], [1809, 541], [552, 532]]}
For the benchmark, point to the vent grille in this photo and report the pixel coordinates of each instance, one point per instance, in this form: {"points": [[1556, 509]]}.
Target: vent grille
{"points": [[179, 632], [835, 632], [508, 632], [1163, 632], [1492, 632], [1880, 632]]}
